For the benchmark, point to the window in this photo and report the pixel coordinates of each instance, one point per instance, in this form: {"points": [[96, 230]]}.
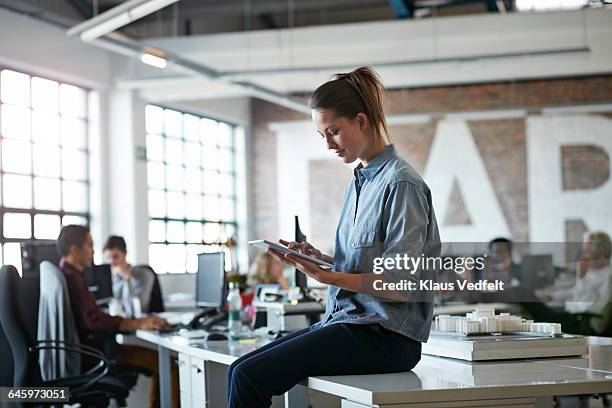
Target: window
{"points": [[43, 160], [192, 193]]}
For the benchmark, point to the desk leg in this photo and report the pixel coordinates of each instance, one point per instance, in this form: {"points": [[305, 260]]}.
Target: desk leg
{"points": [[165, 381], [297, 397]]}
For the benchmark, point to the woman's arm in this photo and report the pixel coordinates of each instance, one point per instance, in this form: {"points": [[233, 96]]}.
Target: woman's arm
{"points": [[354, 282], [406, 221]]}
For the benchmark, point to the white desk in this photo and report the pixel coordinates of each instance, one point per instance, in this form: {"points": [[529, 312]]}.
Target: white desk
{"points": [[434, 383]]}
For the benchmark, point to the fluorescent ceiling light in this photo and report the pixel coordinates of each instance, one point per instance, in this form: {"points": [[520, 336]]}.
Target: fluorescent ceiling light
{"points": [[542, 5], [117, 17], [153, 60], [105, 27]]}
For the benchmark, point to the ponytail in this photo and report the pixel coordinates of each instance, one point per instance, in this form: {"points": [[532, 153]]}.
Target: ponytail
{"points": [[350, 93]]}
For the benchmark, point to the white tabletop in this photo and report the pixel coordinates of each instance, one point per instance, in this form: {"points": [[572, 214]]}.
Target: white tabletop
{"points": [[436, 378]]}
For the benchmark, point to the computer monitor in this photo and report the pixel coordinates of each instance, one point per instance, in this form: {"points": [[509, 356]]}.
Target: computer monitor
{"points": [[33, 252], [100, 282], [210, 280], [537, 271], [301, 280]]}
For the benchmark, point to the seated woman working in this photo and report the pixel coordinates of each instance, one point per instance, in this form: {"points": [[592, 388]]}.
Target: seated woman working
{"points": [[267, 269], [590, 294]]}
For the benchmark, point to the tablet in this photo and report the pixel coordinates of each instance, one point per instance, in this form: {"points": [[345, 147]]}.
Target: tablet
{"points": [[265, 244]]}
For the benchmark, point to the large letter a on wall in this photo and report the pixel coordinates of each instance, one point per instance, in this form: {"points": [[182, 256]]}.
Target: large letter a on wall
{"points": [[454, 156]]}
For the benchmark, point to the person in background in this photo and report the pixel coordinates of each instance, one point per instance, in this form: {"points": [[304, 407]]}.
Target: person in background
{"points": [[75, 246], [128, 282], [500, 265], [590, 294], [267, 269]]}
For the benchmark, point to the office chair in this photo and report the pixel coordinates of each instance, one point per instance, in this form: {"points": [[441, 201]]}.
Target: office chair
{"points": [[92, 389], [604, 320], [56, 322], [6, 368], [156, 304]]}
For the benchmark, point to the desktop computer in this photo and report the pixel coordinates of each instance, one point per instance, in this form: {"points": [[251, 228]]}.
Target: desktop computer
{"points": [[33, 252], [301, 280], [210, 290], [100, 282], [537, 271]]}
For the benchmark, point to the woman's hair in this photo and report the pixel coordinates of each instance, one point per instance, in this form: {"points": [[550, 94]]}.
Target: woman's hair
{"points": [[260, 269], [115, 242], [602, 245], [360, 90]]}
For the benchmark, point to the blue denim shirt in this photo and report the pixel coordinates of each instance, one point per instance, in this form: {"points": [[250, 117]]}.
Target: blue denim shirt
{"points": [[387, 210]]}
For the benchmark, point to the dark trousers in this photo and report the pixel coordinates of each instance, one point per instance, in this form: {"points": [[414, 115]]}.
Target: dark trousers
{"points": [[336, 349]]}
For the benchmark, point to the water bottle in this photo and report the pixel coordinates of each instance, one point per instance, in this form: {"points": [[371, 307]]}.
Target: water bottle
{"points": [[234, 324]]}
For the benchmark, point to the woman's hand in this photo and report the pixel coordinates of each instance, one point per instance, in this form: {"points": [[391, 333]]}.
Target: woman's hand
{"points": [[302, 247], [123, 271], [309, 268], [307, 249]]}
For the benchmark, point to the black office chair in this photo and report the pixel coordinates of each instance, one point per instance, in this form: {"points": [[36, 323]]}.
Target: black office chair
{"points": [[156, 304], [6, 368], [586, 320], [92, 389]]}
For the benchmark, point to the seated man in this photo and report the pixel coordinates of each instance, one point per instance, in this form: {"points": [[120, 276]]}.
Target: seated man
{"points": [[75, 246], [590, 294], [128, 282], [500, 265]]}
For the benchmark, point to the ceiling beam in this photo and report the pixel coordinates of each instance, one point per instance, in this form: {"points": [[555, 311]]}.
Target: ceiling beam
{"points": [[123, 45], [117, 17], [226, 8]]}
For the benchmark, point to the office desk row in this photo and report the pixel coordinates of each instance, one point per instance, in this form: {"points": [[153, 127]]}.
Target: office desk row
{"points": [[434, 383]]}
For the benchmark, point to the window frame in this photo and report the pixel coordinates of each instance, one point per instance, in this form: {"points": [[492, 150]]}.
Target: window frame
{"points": [[233, 223], [32, 211]]}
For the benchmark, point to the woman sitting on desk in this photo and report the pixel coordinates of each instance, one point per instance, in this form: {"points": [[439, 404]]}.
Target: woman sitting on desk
{"points": [[387, 211]]}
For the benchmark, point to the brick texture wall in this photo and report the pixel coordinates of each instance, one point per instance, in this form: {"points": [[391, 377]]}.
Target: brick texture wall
{"points": [[501, 143]]}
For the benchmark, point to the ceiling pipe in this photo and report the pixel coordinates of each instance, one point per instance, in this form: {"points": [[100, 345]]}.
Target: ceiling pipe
{"points": [[123, 45], [117, 17], [103, 36], [561, 52]]}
